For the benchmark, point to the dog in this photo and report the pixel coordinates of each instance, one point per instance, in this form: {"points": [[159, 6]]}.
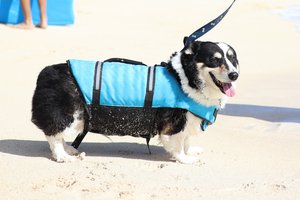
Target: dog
{"points": [[205, 71]]}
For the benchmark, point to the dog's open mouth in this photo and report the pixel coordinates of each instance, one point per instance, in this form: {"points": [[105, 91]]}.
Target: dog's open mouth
{"points": [[226, 88]]}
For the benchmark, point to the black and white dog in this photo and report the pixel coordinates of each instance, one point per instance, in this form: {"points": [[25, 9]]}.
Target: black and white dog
{"points": [[206, 72]]}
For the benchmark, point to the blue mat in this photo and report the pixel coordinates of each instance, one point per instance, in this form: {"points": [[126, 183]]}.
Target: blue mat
{"points": [[59, 12]]}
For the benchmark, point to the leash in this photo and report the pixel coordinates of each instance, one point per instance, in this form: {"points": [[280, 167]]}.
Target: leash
{"points": [[204, 29]]}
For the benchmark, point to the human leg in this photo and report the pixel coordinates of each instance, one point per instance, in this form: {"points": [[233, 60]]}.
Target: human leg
{"points": [[26, 8], [43, 14]]}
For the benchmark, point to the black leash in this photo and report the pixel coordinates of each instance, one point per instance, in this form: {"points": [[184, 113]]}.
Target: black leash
{"points": [[204, 29]]}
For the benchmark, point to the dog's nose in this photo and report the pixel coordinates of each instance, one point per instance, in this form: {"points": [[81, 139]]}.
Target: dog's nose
{"points": [[233, 76]]}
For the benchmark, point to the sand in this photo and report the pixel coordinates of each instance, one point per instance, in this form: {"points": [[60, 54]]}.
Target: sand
{"points": [[251, 152]]}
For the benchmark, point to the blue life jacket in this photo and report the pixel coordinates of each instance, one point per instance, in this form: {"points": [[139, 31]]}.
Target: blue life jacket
{"points": [[120, 84]]}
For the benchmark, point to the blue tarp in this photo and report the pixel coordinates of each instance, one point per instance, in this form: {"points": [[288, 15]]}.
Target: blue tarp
{"points": [[59, 12]]}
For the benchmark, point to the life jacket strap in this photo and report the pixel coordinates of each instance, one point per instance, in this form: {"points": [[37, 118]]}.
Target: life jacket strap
{"points": [[205, 122]]}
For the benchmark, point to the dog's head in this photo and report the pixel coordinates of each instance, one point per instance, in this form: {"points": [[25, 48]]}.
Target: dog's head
{"points": [[207, 71]]}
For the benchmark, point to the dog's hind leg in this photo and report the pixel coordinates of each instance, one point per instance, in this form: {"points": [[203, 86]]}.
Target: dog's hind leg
{"points": [[70, 150], [56, 143], [73, 152], [61, 151]]}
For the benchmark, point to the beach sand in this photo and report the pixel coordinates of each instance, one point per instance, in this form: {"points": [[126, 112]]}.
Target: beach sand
{"points": [[251, 152]]}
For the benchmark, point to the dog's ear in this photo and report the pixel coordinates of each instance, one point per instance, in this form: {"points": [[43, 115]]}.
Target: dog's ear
{"points": [[188, 61], [193, 48], [184, 40]]}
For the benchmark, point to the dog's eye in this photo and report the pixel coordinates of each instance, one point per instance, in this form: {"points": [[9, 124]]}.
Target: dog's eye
{"points": [[231, 57], [214, 62]]}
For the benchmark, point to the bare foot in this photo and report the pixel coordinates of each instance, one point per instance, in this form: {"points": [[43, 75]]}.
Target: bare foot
{"points": [[23, 26], [43, 25]]}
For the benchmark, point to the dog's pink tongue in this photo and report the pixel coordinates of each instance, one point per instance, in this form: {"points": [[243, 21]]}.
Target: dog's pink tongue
{"points": [[228, 89]]}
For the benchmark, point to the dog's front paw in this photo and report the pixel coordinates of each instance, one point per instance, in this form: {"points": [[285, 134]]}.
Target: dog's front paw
{"points": [[186, 159], [194, 150]]}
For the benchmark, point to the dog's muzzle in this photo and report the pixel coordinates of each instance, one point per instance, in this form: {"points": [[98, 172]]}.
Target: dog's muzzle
{"points": [[226, 88]]}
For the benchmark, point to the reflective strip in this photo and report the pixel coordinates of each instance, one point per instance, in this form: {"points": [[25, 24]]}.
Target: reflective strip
{"points": [[97, 75], [97, 84], [150, 87], [151, 79]]}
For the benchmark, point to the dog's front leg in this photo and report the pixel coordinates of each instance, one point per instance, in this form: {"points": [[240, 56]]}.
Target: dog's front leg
{"points": [[191, 150], [177, 145]]}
